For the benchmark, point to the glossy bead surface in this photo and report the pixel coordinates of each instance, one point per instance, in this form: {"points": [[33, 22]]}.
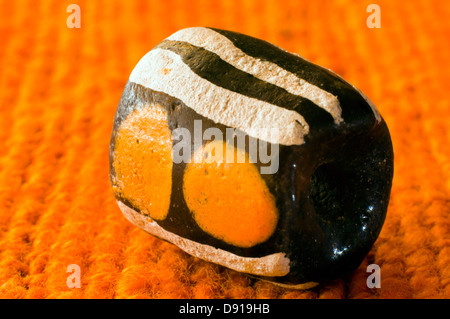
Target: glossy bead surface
{"points": [[251, 157]]}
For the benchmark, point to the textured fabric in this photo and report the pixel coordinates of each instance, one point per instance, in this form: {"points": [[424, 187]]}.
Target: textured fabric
{"points": [[59, 88]]}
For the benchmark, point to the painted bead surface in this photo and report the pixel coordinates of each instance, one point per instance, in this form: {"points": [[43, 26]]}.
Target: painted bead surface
{"points": [[251, 157]]}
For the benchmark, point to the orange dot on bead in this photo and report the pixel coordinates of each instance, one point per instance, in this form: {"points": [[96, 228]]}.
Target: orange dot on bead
{"points": [[228, 197], [143, 161]]}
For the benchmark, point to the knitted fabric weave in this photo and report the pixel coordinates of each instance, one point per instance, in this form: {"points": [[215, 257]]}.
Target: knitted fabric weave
{"points": [[59, 89]]}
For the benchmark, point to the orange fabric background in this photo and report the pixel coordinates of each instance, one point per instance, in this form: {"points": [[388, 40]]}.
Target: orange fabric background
{"points": [[59, 89]]}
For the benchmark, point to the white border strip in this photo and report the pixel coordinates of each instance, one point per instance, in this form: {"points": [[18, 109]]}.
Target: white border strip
{"points": [[164, 71], [271, 265], [263, 70]]}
